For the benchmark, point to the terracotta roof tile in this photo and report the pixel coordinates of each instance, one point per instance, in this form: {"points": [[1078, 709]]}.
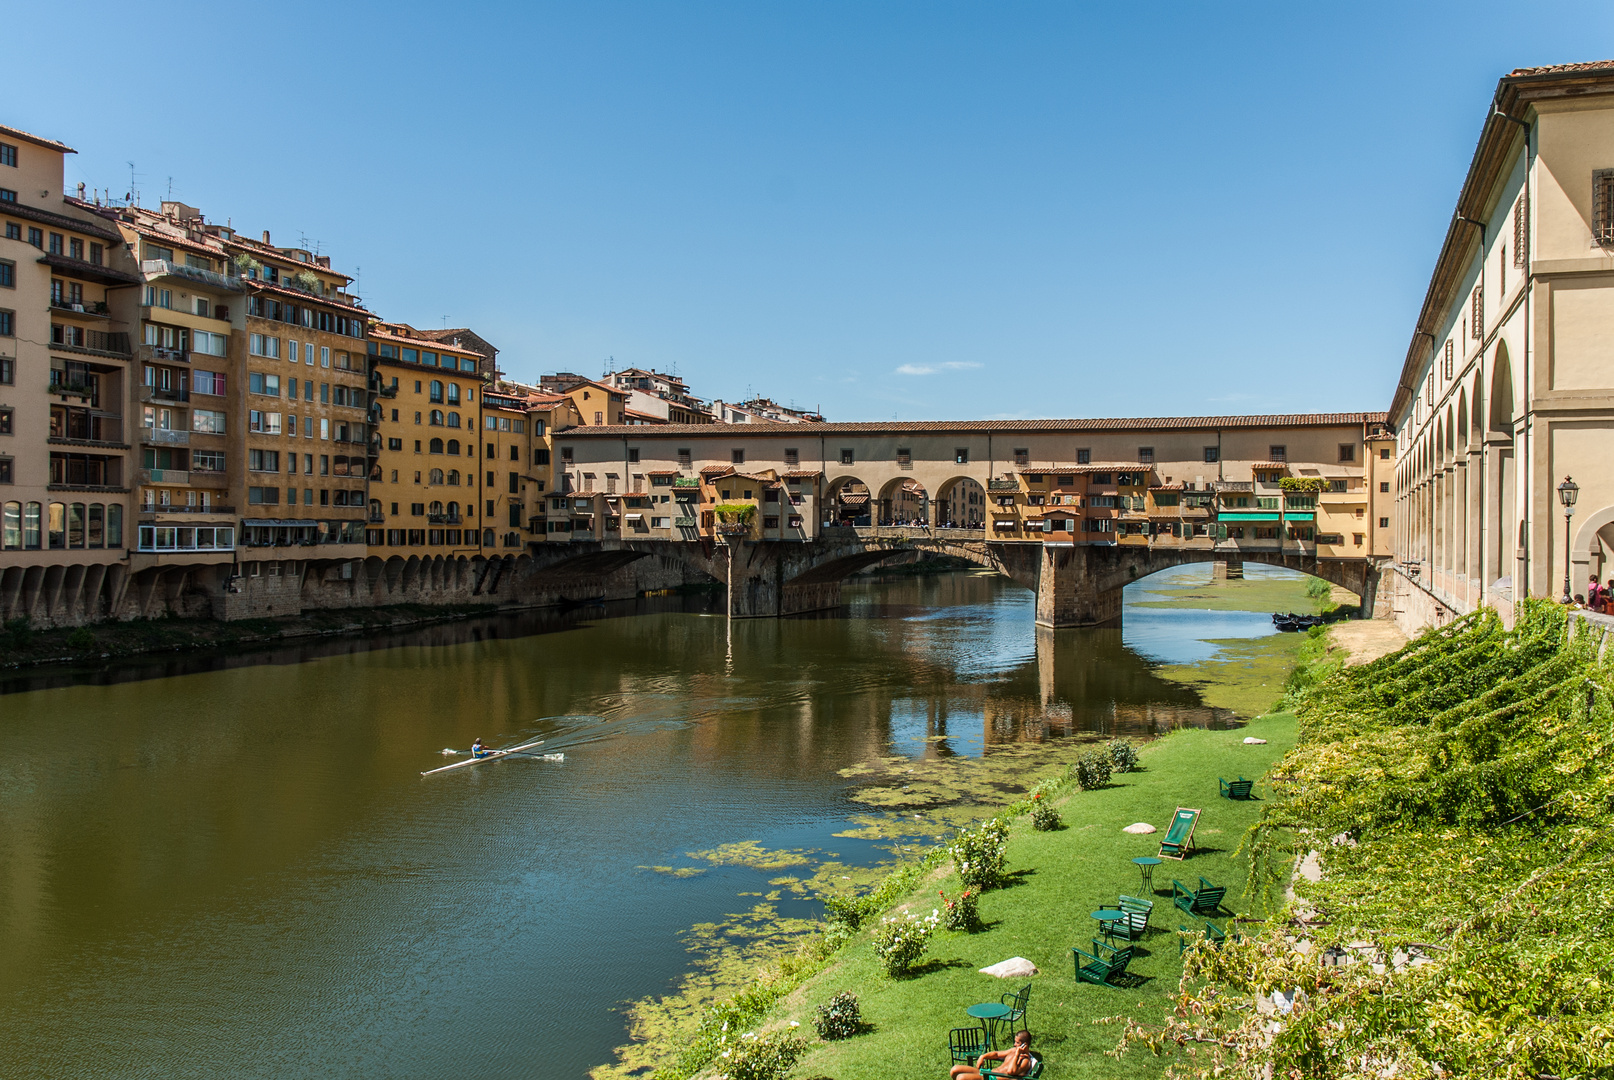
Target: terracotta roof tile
{"points": [[49, 144], [1590, 67]]}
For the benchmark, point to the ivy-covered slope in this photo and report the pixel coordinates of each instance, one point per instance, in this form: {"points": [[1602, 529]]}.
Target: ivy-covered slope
{"points": [[1458, 797]]}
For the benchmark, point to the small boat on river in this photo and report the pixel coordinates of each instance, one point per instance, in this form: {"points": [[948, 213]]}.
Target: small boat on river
{"points": [[491, 755]]}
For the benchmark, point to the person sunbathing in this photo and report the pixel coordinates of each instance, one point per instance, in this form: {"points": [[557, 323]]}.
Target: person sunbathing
{"points": [[1016, 1061]]}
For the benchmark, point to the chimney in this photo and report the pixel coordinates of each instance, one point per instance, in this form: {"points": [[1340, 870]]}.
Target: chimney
{"points": [[266, 236]]}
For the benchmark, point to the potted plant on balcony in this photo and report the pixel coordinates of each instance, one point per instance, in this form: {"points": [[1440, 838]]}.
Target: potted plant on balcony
{"points": [[734, 519]]}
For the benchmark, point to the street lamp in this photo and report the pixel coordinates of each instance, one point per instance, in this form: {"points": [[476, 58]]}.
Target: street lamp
{"points": [[1567, 492]]}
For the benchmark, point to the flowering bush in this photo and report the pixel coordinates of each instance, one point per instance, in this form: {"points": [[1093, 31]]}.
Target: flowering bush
{"points": [[1092, 770], [839, 1018], [769, 1057], [962, 914], [979, 853], [1044, 818], [901, 941], [850, 911], [1124, 756]]}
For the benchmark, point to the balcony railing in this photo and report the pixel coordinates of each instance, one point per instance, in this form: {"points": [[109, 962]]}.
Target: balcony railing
{"points": [[160, 394], [686, 482], [164, 476], [376, 517], [684, 522], [164, 436], [81, 307], [153, 354], [154, 268], [1003, 485], [175, 508], [96, 342], [87, 389]]}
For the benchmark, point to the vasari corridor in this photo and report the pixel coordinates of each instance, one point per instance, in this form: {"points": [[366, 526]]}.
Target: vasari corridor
{"points": [[807, 542]]}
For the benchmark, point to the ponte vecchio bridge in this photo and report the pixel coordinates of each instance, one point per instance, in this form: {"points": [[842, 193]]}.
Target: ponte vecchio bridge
{"points": [[1072, 509]]}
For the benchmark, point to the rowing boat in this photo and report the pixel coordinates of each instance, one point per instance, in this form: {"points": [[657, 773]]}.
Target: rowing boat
{"points": [[489, 756]]}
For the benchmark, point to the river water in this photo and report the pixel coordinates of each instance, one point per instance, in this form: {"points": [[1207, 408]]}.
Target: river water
{"points": [[232, 867]]}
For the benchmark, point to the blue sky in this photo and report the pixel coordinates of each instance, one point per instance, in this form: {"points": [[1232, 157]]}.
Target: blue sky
{"points": [[888, 210]]}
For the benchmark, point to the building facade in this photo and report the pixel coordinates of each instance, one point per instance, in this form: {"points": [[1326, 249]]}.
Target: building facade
{"points": [[1507, 388]]}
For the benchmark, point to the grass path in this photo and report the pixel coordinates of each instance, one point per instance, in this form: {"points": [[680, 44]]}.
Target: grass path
{"points": [[1059, 877]]}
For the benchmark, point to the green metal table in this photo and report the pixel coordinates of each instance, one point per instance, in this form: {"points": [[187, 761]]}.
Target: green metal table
{"points": [[990, 1013], [1146, 865]]}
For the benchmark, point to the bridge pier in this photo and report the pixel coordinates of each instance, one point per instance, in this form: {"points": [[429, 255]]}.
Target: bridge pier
{"points": [[1070, 594], [1227, 570]]}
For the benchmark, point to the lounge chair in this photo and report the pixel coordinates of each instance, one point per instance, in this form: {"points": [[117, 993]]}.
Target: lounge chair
{"points": [[1133, 922], [1030, 1074], [1179, 840], [1236, 789], [1104, 962], [1205, 900]]}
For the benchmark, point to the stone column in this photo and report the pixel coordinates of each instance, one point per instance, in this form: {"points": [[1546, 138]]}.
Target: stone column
{"points": [[1068, 593], [1227, 570]]}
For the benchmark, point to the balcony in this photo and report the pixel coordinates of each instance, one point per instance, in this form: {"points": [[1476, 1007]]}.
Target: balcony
{"points": [[164, 476], [95, 309], [156, 268], [174, 508], [164, 436], [684, 522], [686, 482], [162, 395], [151, 354], [76, 339], [387, 392], [376, 517], [81, 388]]}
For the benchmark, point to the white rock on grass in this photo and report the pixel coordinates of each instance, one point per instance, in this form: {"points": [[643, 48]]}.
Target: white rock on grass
{"points": [[1251, 740], [1016, 967], [1142, 828]]}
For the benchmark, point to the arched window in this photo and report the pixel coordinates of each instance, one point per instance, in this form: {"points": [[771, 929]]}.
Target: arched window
{"points": [[453, 478], [11, 526], [453, 394], [435, 446], [435, 508], [453, 447], [437, 391], [435, 476], [487, 537], [453, 509], [436, 418], [512, 540], [453, 419]]}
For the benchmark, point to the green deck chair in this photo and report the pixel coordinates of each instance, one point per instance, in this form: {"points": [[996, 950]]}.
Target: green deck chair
{"points": [[1179, 839]]}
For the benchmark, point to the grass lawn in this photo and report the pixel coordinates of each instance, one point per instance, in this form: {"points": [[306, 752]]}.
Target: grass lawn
{"points": [[1058, 878]]}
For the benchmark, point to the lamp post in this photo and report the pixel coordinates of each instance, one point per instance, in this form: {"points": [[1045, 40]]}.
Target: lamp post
{"points": [[1567, 491]]}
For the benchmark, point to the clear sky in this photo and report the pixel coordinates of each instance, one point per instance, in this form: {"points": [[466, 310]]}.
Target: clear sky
{"points": [[910, 210]]}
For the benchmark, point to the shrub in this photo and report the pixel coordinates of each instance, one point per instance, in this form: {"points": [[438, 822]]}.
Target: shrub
{"points": [[1318, 589], [81, 639], [839, 1018], [1123, 756], [962, 914], [18, 632], [1092, 770], [768, 1057], [849, 911], [1044, 818], [900, 941], [979, 854]]}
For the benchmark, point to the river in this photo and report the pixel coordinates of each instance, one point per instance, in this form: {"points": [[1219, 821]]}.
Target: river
{"points": [[232, 867]]}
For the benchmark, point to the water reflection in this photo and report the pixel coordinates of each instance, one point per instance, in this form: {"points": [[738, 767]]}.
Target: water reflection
{"points": [[232, 863]]}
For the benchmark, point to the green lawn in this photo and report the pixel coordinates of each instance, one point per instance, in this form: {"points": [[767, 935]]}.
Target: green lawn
{"points": [[1059, 877]]}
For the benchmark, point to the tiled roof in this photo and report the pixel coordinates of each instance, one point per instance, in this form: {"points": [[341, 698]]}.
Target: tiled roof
{"points": [[49, 144], [61, 221], [944, 427], [382, 335], [1590, 67], [801, 474]]}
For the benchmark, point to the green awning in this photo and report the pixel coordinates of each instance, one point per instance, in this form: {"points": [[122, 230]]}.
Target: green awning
{"points": [[1291, 516], [1262, 515]]}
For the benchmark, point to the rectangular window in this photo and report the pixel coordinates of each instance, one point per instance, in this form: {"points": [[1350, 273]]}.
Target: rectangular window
{"points": [[8, 323], [737, 456], [1212, 455], [208, 421], [8, 274], [633, 456], [540, 457], [7, 195], [1145, 455], [36, 237], [55, 243], [1084, 457], [846, 455], [210, 383], [264, 423], [8, 155], [263, 460], [75, 249], [8, 371], [1022, 456], [1347, 452], [267, 385], [1384, 523], [264, 345]]}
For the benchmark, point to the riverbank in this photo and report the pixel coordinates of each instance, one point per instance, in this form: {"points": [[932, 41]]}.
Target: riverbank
{"points": [[1040, 916], [22, 646]]}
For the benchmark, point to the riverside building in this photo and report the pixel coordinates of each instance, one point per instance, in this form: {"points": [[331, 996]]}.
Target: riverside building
{"points": [[1506, 394]]}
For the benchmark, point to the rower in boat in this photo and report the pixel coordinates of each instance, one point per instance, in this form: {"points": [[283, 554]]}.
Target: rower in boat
{"points": [[477, 749]]}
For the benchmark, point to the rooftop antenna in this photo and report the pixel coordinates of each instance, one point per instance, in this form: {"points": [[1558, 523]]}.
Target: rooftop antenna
{"points": [[133, 194], [170, 189]]}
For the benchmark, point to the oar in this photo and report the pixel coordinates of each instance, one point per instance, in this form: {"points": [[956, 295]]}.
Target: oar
{"points": [[486, 757]]}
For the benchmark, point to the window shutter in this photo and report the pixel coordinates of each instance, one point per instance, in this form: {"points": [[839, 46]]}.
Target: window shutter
{"points": [[1602, 211], [1521, 230], [1449, 351], [1476, 320]]}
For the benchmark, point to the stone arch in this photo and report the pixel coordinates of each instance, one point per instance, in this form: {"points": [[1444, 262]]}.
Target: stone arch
{"points": [[961, 502], [1596, 530], [1503, 403], [1476, 420], [903, 499], [848, 500]]}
